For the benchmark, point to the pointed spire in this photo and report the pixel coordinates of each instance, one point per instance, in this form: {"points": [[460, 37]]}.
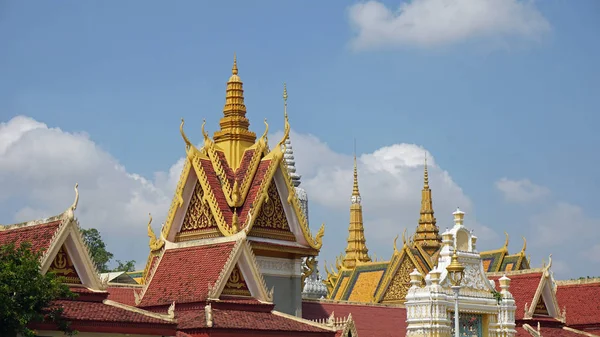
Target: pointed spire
{"points": [[234, 136], [355, 191], [427, 233], [356, 249]]}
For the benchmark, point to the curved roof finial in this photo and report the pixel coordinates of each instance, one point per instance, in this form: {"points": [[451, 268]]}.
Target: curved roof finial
{"points": [[286, 127], [185, 138], [76, 201], [506, 242], [524, 246]]}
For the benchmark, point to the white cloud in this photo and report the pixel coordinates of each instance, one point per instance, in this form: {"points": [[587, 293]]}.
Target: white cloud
{"points": [[428, 23], [521, 191], [40, 165], [390, 182]]}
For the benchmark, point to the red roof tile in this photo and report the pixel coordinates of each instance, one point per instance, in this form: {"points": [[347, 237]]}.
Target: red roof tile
{"points": [[40, 235], [370, 320], [100, 312], [523, 288], [582, 303], [183, 274], [122, 294], [244, 320]]}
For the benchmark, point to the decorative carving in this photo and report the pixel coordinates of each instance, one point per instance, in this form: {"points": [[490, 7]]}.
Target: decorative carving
{"points": [[62, 265], [540, 308], [272, 214], [473, 279], [198, 215], [236, 285], [400, 283], [208, 315], [155, 244], [308, 269]]}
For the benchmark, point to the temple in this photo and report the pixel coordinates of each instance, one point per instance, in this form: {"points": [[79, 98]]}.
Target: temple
{"points": [[236, 256], [356, 278]]}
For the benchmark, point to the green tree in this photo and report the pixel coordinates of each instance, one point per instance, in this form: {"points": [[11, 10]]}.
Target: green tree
{"points": [[25, 294], [125, 266], [100, 255]]}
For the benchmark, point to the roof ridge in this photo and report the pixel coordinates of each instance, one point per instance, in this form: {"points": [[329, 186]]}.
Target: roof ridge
{"points": [[516, 272], [139, 296], [303, 320], [29, 223], [223, 274], [342, 302], [165, 317], [583, 281]]}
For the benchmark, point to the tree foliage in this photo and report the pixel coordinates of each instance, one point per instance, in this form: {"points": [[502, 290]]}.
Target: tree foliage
{"points": [[25, 294], [126, 266], [100, 255], [98, 251]]}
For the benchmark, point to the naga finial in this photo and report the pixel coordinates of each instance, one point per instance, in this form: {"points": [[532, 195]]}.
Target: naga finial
{"points": [[185, 138], [395, 248], [154, 244], [319, 237], [286, 127], [506, 242], [264, 136], [524, 246], [70, 213], [404, 237], [76, 201], [204, 133]]}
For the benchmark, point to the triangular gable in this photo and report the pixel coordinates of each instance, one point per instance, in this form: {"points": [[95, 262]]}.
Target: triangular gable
{"points": [[296, 220], [242, 258], [62, 265], [231, 260], [63, 247], [236, 284], [69, 257], [271, 220], [394, 283], [544, 302]]}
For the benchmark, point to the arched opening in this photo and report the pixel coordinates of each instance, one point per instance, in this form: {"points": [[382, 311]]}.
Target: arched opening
{"points": [[462, 241]]}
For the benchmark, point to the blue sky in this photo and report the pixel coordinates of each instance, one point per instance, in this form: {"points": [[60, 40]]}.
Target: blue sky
{"points": [[510, 100]]}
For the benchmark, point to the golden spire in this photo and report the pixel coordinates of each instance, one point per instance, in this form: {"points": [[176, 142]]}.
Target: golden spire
{"points": [[234, 136], [427, 234], [356, 249]]}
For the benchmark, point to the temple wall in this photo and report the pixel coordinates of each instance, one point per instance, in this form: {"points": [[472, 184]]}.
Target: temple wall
{"points": [[285, 276]]}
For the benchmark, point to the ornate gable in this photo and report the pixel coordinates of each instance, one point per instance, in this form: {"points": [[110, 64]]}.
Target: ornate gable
{"points": [[236, 284], [400, 282], [271, 221], [63, 266], [198, 220]]}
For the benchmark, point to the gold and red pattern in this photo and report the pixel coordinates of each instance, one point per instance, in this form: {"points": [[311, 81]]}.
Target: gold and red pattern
{"points": [[236, 284], [540, 308], [271, 221], [198, 219], [62, 265]]}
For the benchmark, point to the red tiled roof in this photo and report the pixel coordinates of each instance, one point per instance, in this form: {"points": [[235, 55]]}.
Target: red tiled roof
{"points": [[523, 288], [243, 320], [100, 312], [122, 294], [40, 235], [582, 303], [370, 320], [183, 274]]}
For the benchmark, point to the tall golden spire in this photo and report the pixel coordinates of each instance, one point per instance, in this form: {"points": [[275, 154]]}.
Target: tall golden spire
{"points": [[427, 234], [234, 136], [357, 244]]}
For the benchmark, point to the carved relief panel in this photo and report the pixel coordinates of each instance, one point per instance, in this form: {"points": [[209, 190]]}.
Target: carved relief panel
{"points": [[271, 221], [236, 285], [62, 265], [198, 217], [400, 283]]}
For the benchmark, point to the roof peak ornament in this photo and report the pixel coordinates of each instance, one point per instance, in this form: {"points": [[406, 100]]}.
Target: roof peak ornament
{"points": [[70, 212], [427, 234], [234, 136]]}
